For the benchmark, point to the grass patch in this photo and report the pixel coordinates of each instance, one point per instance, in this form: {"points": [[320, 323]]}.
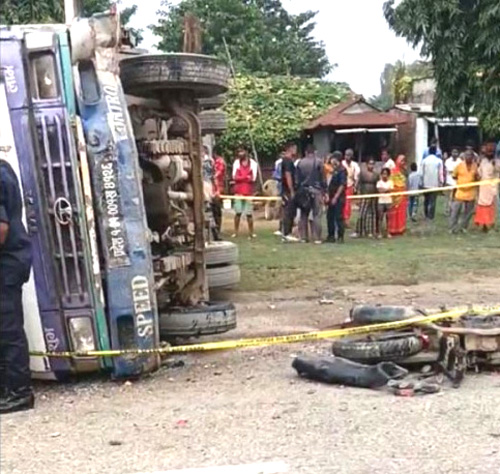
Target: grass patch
{"points": [[427, 253]]}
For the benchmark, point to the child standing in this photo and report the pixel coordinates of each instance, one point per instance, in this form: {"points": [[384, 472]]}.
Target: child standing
{"points": [[413, 185], [384, 186]]}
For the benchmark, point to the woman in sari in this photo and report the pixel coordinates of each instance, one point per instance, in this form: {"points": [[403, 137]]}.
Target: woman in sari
{"points": [[397, 214], [486, 202], [367, 224]]}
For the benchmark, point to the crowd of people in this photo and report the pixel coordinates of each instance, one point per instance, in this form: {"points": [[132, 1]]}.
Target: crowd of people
{"points": [[311, 185]]}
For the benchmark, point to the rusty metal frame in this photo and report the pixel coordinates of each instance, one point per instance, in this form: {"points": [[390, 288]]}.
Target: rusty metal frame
{"points": [[197, 288]]}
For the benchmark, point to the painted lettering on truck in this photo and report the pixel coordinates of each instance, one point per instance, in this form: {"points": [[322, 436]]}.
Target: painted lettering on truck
{"points": [[116, 116], [142, 306], [10, 79], [116, 234]]}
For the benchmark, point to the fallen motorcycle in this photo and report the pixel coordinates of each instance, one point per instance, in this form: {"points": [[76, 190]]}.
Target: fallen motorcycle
{"points": [[453, 345]]}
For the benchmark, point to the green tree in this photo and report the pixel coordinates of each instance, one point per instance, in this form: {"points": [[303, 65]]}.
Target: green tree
{"points": [[22, 12], [462, 40], [275, 109], [396, 82], [261, 35]]}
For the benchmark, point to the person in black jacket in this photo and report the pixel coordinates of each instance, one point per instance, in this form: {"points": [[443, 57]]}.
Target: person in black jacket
{"points": [[336, 200], [309, 198], [15, 265]]}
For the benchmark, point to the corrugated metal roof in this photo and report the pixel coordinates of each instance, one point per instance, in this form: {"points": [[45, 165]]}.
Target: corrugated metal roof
{"points": [[340, 117]]}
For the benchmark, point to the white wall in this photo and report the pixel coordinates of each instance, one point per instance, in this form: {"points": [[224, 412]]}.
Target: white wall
{"points": [[321, 141], [421, 134]]}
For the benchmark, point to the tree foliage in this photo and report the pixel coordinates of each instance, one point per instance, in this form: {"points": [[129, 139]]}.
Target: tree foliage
{"points": [[462, 40], [275, 109], [23, 12], [261, 35], [396, 82]]}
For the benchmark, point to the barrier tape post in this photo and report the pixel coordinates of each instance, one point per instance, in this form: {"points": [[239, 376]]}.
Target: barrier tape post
{"points": [[275, 340]]}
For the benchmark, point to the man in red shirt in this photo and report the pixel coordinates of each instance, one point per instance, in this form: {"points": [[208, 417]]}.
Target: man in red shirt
{"points": [[244, 176], [219, 188]]}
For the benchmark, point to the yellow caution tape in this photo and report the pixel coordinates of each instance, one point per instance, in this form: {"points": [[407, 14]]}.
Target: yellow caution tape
{"points": [[275, 340], [368, 196], [427, 190], [250, 198]]}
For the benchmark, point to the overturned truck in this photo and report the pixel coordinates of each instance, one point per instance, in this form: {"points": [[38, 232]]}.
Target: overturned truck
{"points": [[114, 200]]}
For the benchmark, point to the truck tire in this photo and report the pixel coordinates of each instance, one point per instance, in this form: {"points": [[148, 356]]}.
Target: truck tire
{"points": [[210, 103], [221, 253], [372, 350], [212, 121], [225, 276], [194, 321], [371, 314], [150, 74]]}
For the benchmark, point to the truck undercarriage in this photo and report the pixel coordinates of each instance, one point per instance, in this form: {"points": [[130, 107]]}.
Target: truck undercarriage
{"points": [[139, 223]]}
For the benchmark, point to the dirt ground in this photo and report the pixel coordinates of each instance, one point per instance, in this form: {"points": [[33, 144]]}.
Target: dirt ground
{"points": [[248, 406]]}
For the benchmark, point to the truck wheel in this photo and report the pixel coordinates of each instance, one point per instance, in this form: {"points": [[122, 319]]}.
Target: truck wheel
{"points": [[210, 103], [200, 320], [150, 74], [213, 121], [373, 349], [370, 314], [221, 253], [225, 276]]}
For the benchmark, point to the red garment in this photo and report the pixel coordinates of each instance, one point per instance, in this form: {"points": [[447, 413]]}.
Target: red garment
{"points": [[349, 191], [220, 175], [397, 216], [244, 179], [396, 224], [485, 215]]}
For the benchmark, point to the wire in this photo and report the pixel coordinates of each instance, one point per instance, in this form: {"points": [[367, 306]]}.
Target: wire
{"points": [[252, 142]]}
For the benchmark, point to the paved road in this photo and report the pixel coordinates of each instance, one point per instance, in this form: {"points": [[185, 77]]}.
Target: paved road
{"points": [[248, 408]]}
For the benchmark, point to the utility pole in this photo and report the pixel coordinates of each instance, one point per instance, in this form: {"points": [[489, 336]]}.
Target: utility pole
{"points": [[72, 9]]}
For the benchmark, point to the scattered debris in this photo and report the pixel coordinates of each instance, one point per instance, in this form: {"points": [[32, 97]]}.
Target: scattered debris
{"points": [[324, 301], [406, 388], [173, 364]]}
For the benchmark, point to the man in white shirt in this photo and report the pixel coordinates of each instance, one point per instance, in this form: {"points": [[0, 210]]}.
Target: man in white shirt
{"points": [[449, 165], [432, 177], [387, 161]]}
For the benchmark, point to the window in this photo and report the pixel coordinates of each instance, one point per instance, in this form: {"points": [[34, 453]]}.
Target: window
{"points": [[43, 76]]}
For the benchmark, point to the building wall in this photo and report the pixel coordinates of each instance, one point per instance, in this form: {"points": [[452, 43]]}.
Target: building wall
{"points": [[423, 91], [421, 138], [321, 141], [403, 142]]}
